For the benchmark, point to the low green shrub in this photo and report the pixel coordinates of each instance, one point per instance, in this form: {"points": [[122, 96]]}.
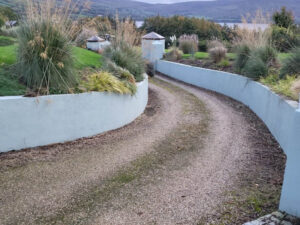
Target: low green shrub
{"points": [[289, 86], [291, 65], [255, 68], [256, 63], [45, 57], [217, 53], [127, 57], [188, 44], [242, 56], [119, 72], [267, 54], [122, 74], [105, 82], [224, 63], [174, 54]]}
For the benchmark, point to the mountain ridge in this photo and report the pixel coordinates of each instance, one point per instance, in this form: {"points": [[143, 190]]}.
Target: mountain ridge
{"points": [[219, 10]]}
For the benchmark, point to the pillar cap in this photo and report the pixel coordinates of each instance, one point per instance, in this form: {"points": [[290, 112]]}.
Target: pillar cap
{"points": [[153, 36]]}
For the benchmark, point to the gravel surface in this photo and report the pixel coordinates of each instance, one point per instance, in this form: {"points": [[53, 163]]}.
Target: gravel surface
{"points": [[173, 165]]}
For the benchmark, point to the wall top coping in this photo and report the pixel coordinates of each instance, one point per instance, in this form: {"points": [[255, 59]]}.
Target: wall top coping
{"points": [[5, 98]]}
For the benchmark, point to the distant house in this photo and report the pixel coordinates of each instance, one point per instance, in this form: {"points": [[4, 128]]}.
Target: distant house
{"points": [[96, 43], [10, 24]]}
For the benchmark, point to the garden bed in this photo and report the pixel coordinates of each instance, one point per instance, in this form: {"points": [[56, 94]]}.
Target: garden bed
{"points": [[9, 82], [283, 87]]}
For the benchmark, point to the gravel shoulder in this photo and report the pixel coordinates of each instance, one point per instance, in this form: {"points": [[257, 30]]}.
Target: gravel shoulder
{"points": [[193, 157]]}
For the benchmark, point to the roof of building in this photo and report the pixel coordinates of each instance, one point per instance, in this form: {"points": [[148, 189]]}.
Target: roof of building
{"points": [[153, 36], [95, 39]]}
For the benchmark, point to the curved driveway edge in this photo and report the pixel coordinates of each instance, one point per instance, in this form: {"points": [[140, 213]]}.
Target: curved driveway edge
{"points": [[280, 116], [44, 120]]}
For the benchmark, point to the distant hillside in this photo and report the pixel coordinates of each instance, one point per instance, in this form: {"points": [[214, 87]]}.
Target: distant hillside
{"points": [[219, 10]]}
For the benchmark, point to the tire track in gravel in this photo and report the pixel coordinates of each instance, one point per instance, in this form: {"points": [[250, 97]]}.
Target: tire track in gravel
{"points": [[40, 182], [171, 166]]}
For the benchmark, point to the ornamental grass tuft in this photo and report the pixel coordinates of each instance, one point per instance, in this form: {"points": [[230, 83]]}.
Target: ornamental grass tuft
{"points": [[45, 61]]}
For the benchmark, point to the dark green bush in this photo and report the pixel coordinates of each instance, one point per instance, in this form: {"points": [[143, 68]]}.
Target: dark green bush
{"points": [[150, 69], [291, 65], [127, 57], [255, 68], [283, 18], [283, 39], [202, 45], [242, 56], [178, 25], [44, 57], [1, 22]]}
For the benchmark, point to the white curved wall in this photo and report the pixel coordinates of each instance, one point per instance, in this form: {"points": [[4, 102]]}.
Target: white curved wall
{"points": [[280, 116], [31, 122]]}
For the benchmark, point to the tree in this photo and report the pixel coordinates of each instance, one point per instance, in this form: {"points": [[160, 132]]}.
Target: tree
{"points": [[283, 18]]}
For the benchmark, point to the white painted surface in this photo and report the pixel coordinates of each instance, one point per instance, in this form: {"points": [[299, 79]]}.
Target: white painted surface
{"points": [[96, 46], [280, 116], [153, 49], [31, 122]]}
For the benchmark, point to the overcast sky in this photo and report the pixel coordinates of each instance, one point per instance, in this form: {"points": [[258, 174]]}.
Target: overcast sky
{"points": [[168, 1]]}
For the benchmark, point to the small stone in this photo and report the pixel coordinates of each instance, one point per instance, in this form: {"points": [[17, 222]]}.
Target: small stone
{"points": [[278, 215]]}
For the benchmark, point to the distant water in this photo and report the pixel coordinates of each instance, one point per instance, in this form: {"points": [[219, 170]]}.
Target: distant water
{"points": [[139, 23], [249, 25]]}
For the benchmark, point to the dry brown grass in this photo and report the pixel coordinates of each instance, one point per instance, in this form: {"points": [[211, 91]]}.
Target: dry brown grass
{"points": [[126, 31], [188, 43], [255, 37], [60, 13], [296, 88]]}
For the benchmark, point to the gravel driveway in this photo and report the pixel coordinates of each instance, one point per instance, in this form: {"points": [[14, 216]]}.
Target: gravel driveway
{"points": [[193, 157]]}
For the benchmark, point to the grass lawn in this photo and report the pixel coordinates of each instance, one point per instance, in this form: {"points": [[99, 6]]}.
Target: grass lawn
{"points": [[4, 41], [8, 55], [9, 85], [84, 58]]}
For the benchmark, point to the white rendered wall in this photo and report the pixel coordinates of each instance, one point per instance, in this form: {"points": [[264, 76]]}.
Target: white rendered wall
{"points": [[31, 122], [280, 116], [153, 49]]}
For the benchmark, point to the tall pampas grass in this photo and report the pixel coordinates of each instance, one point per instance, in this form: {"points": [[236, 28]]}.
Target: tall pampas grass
{"points": [[254, 37], [45, 61]]}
